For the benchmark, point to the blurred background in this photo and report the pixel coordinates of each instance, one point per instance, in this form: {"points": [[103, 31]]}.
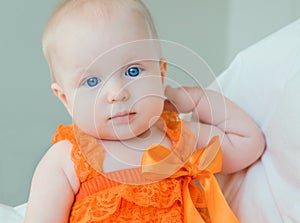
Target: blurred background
{"points": [[29, 113]]}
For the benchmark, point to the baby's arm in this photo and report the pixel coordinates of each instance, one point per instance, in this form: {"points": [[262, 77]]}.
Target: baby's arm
{"points": [[241, 139], [53, 187]]}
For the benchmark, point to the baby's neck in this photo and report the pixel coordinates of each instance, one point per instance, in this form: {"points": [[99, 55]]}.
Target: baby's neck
{"points": [[128, 153]]}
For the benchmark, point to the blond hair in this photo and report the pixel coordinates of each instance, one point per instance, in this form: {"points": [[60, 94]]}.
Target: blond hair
{"points": [[96, 8]]}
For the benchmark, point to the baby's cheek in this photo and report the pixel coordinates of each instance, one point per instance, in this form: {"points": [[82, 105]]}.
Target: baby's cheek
{"points": [[84, 111]]}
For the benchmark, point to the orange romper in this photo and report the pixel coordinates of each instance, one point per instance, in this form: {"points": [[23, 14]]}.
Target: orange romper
{"points": [[175, 198]]}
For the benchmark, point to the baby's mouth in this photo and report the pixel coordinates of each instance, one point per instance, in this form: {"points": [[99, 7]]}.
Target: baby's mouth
{"points": [[122, 117]]}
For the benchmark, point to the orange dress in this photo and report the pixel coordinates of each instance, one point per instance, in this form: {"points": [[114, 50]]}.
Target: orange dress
{"points": [[163, 189]]}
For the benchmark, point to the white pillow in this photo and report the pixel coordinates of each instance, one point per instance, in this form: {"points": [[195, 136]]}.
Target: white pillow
{"points": [[265, 81], [11, 215]]}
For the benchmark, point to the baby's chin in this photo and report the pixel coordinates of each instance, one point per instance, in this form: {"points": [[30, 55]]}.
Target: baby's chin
{"points": [[128, 133], [124, 137]]}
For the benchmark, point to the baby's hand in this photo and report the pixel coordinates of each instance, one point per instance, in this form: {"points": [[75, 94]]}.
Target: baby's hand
{"points": [[185, 99]]}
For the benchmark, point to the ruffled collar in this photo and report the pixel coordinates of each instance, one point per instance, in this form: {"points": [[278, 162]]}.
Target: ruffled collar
{"points": [[183, 143]]}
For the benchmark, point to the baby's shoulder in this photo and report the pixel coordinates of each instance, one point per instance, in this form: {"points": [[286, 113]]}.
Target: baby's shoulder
{"points": [[201, 131], [58, 158], [193, 126], [59, 151]]}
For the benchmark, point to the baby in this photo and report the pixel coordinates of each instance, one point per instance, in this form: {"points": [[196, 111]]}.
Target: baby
{"points": [[128, 157]]}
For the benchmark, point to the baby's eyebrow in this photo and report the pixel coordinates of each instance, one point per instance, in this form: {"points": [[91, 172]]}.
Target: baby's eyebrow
{"points": [[79, 75]]}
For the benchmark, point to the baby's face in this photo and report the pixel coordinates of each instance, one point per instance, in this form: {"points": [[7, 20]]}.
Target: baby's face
{"points": [[111, 79]]}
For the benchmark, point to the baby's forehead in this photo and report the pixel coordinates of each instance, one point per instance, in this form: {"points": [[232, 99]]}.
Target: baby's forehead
{"points": [[93, 12], [106, 32], [73, 17], [97, 10]]}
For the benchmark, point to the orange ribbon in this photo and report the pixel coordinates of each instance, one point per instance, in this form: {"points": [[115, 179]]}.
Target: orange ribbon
{"points": [[201, 165]]}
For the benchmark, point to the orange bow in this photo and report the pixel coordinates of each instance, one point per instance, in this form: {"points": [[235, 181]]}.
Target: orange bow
{"points": [[160, 162]]}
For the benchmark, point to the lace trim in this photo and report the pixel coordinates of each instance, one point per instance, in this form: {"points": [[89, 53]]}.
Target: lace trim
{"points": [[83, 170], [156, 202]]}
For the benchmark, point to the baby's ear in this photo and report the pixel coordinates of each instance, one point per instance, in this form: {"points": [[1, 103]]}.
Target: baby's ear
{"points": [[58, 91], [163, 69]]}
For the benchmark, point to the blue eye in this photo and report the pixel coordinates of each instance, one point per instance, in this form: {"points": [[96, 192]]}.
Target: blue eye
{"points": [[133, 71], [92, 82]]}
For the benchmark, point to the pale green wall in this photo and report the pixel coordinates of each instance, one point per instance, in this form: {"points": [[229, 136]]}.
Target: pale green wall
{"points": [[29, 113], [197, 24], [251, 20]]}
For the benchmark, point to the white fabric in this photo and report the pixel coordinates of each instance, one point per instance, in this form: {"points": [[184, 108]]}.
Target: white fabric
{"points": [[265, 81], [12, 214]]}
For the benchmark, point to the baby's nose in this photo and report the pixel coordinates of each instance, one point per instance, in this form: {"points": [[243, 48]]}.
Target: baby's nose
{"points": [[117, 93], [117, 97]]}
